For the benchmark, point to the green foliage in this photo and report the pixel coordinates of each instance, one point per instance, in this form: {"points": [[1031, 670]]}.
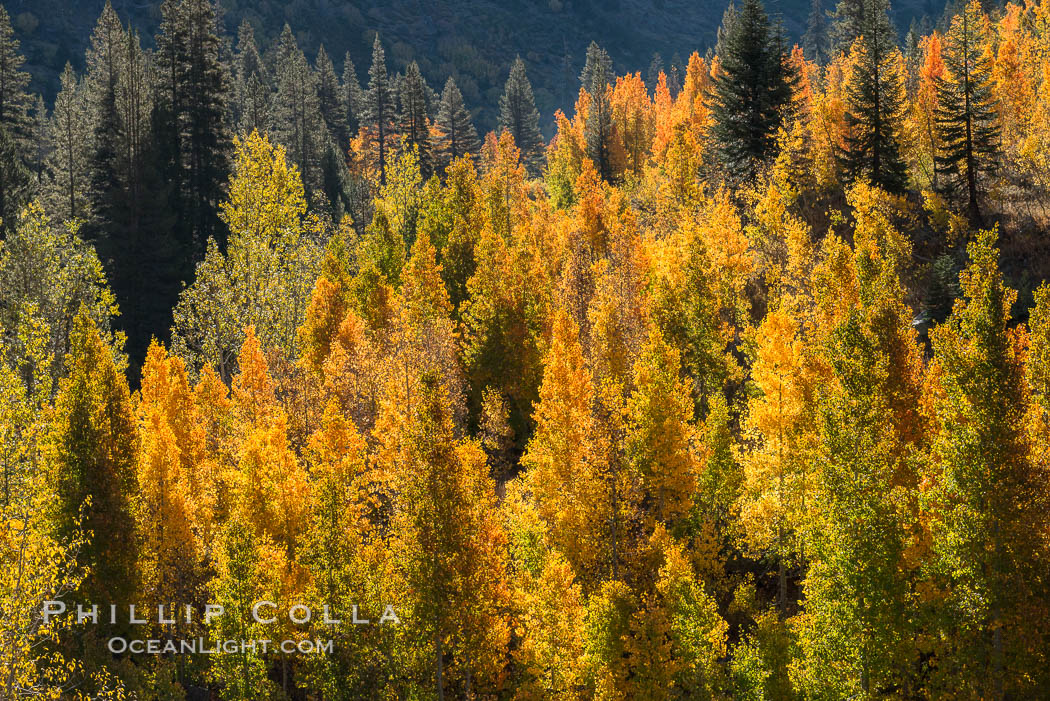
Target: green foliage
{"points": [[752, 92]]}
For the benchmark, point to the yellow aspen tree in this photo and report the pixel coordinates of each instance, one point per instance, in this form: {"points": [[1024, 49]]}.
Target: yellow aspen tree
{"points": [[775, 481], [660, 432], [561, 459]]}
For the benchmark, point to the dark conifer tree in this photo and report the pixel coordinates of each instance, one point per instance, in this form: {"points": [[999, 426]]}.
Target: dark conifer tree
{"points": [[253, 89], [847, 24], [330, 100], [967, 123], [875, 103], [207, 121], [413, 121], [15, 181], [379, 105], [722, 34], [656, 67], [815, 40], [131, 190], [457, 134], [752, 93], [69, 150], [519, 116], [103, 72], [14, 122], [296, 114], [596, 76], [353, 100]]}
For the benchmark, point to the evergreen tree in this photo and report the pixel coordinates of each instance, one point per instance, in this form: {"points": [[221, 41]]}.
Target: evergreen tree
{"points": [[596, 76], [353, 100], [519, 116], [457, 136], [847, 24], [253, 91], [14, 125], [752, 93], [69, 141], [297, 121], [413, 122], [38, 141], [15, 181], [379, 105], [815, 40], [103, 73], [131, 190], [967, 116], [875, 103], [652, 77], [330, 100], [14, 82], [192, 120], [724, 29]]}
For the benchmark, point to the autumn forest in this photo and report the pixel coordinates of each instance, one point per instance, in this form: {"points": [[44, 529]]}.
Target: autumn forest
{"points": [[727, 382]]}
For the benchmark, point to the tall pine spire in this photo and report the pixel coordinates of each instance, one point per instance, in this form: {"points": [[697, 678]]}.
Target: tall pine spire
{"points": [[379, 105], [414, 122], [519, 116], [752, 92], [457, 134], [875, 103]]}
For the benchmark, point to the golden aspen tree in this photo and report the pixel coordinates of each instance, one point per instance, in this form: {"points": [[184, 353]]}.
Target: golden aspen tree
{"points": [[263, 277], [775, 480], [449, 547], [551, 625], [170, 487], [561, 459], [660, 432], [632, 120], [924, 111], [268, 483], [564, 162]]}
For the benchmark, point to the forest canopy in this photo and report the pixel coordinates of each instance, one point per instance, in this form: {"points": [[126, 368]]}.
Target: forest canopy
{"points": [[738, 387]]}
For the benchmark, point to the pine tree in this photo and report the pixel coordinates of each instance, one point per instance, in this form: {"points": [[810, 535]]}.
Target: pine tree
{"points": [[456, 134], [130, 184], [752, 93], [815, 40], [413, 121], [69, 141], [14, 125], [967, 111], [353, 99], [875, 103], [296, 116], [330, 100], [193, 118], [15, 181], [519, 116], [379, 105], [14, 83], [253, 91], [596, 76], [848, 23]]}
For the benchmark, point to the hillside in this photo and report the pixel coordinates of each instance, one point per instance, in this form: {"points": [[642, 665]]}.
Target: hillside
{"points": [[472, 40]]}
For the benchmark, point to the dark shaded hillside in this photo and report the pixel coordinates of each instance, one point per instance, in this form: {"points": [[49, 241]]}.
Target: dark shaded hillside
{"points": [[472, 40]]}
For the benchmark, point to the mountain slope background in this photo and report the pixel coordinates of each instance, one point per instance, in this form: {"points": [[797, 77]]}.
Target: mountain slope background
{"points": [[474, 41]]}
